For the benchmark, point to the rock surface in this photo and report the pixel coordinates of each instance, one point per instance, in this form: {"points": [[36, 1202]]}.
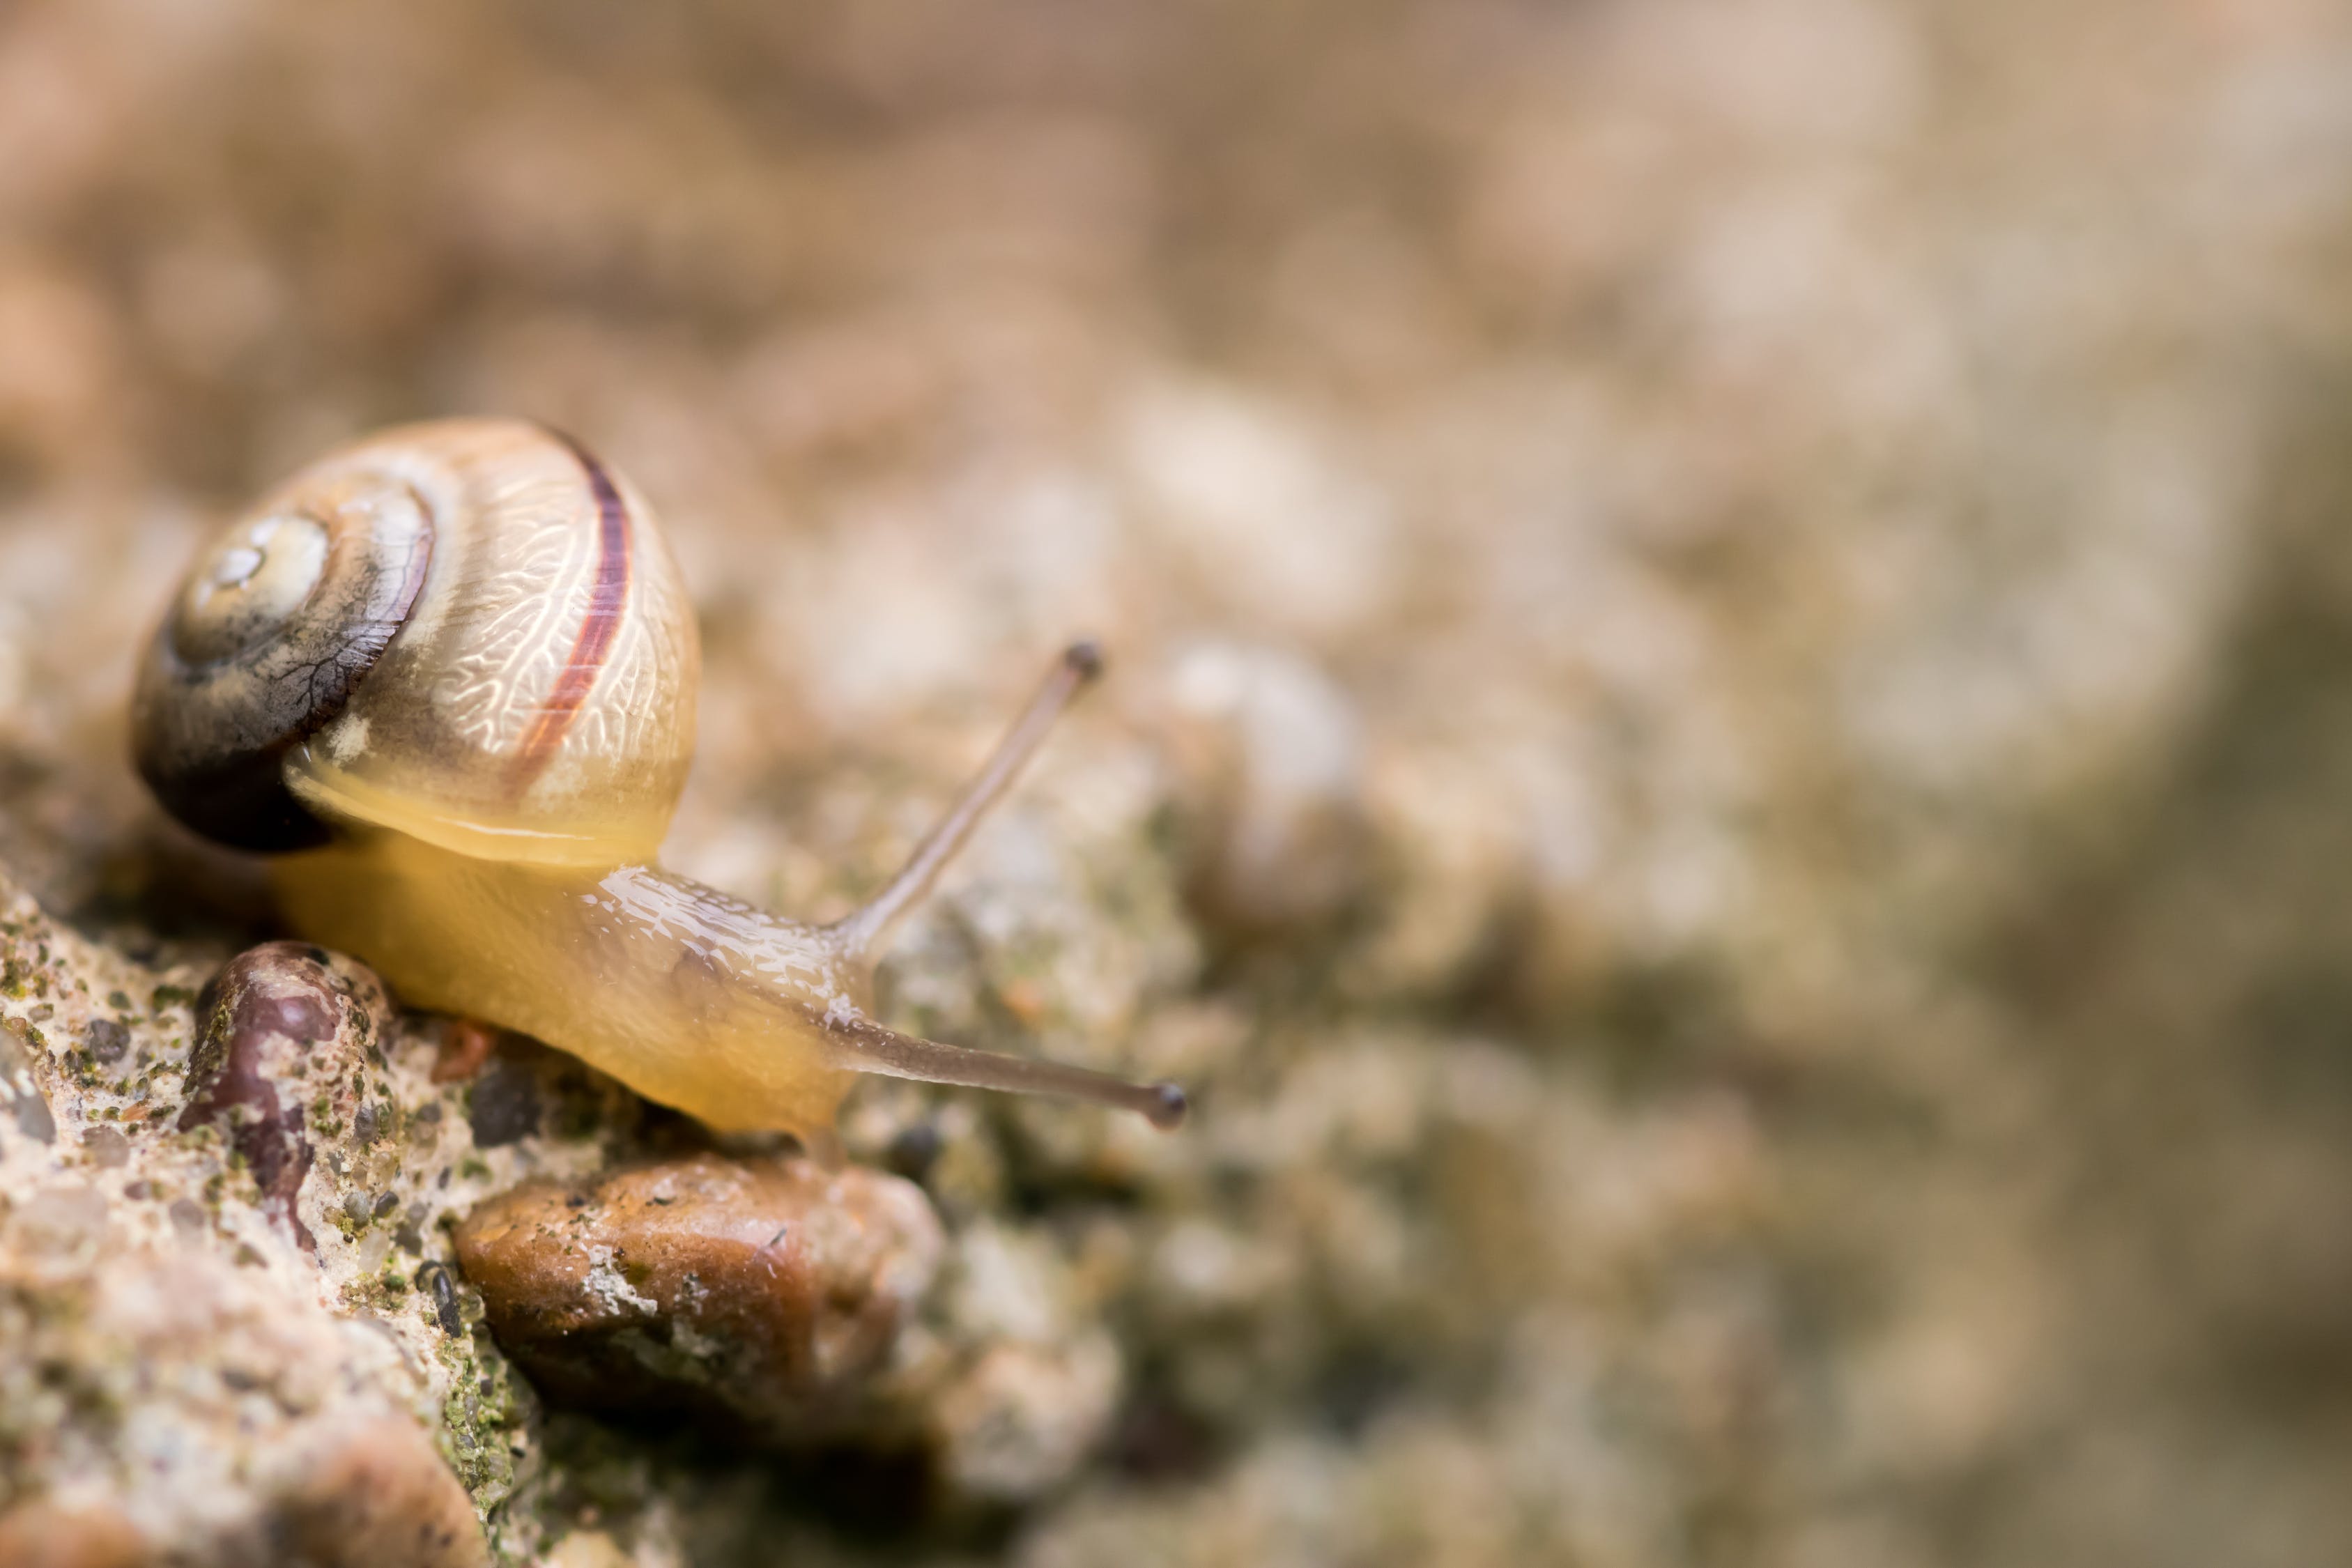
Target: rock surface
{"points": [[210, 1349], [1723, 764]]}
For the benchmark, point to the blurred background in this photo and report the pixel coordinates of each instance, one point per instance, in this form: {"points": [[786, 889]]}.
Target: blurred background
{"points": [[1731, 709]]}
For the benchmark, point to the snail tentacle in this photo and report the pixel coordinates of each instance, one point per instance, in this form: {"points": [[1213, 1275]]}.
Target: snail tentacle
{"points": [[863, 1046], [865, 930]]}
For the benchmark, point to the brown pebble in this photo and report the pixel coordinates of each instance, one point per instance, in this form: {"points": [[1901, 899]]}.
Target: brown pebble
{"points": [[465, 1045], [106, 1146], [770, 1287], [380, 1497], [108, 1040], [46, 1535]]}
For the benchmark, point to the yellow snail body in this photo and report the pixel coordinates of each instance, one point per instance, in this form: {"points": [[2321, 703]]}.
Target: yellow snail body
{"points": [[447, 677]]}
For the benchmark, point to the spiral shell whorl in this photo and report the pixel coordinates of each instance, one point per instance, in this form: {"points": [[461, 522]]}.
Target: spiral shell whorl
{"points": [[279, 622]]}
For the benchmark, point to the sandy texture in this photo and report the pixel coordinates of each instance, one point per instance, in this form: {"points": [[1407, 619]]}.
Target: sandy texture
{"points": [[1723, 764]]}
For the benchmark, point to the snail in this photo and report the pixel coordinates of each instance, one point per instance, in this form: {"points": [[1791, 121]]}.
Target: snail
{"points": [[445, 677]]}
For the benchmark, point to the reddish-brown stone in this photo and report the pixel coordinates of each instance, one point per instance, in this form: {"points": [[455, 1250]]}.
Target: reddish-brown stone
{"points": [[770, 1287], [44, 1534], [466, 1047], [378, 1496]]}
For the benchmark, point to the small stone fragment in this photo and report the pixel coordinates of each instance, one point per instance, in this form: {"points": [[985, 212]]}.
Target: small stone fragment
{"points": [[505, 1105], [466, 1047], [587, 1549], [380, 1497], [274, 1007], [107, 1147], [914, 1151], [769, 1287], [48, 1535], [108, 1040], [20, 1098], [434, 1281]]}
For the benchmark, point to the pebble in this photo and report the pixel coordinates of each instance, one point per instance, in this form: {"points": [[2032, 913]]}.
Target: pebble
{"points": [[108, 1040], [45, 1534], [433, 1278], [278, 1012], [769, 1287], [506, 1106], [379, 1495], [20, 1097]]}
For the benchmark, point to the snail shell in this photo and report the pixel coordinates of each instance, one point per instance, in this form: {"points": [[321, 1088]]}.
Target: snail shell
{"points": [[471, 632]]}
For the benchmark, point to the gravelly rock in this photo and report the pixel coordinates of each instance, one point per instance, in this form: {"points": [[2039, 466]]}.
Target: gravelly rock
{"points": [[270, 1216], [203, 1350]]}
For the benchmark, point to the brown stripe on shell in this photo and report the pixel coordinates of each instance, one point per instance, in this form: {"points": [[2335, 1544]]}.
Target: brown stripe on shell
{"points": [[607, 600]]}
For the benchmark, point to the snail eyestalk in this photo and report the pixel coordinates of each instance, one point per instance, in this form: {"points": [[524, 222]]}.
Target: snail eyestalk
{"points": [[868, 1047], [864, 932]]}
